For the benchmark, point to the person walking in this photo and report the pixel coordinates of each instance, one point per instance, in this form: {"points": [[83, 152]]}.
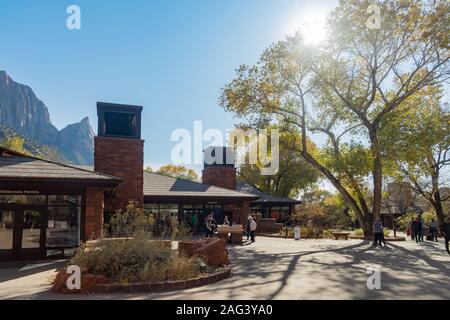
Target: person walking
{"points": [[377, 231], [410, 228], [382, 236], [447, 234], [207, 226], [211, 226], [253, 226], [422, 229], [433, 231], [247, 227], [194, 222], [416, 227]]}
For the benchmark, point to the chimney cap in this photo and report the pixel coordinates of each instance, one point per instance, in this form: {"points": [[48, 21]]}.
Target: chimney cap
{"points": [[117, 107], [119, 120]]}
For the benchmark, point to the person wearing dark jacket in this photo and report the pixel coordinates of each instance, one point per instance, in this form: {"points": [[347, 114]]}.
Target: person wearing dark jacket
{"points": [[416, 229], [447, 234], [433, 230], [247, 227]]}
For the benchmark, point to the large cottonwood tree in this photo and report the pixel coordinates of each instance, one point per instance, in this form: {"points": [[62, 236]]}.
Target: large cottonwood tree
{"points": [[347, 87], [422, 147]]}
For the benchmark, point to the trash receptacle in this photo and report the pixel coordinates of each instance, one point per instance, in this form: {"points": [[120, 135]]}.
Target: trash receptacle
{"points": [[297, 233]]}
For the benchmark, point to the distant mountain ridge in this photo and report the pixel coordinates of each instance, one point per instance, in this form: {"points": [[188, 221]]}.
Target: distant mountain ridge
{"points": [[23, 112]]}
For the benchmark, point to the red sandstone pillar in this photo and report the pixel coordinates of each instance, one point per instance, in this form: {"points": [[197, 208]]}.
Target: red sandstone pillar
{"points": [[93, 214], [122, 158]]}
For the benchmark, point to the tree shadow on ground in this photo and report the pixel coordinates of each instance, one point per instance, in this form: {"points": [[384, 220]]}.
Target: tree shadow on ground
{"points": [[321, 271]]}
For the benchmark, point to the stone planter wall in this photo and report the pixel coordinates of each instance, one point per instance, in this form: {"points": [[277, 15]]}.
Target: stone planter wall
{"points": [[162, 286]]}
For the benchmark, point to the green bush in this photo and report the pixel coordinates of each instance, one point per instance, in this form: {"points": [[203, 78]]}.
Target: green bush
{"points": [[305, 232], [328, 233], [428, 215], [179, 231], [133, 221], [309, 233], [359, 232]]}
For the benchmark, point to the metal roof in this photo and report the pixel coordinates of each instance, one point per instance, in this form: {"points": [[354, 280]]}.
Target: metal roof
{"points": [[26, 167], [263, 197], [157, 185]]}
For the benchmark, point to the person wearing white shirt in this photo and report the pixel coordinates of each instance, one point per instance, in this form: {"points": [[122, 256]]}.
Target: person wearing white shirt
{"points": [[253, 226]]}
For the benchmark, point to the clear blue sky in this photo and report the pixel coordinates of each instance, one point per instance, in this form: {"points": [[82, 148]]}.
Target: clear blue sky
{"points": [[172, 57]]}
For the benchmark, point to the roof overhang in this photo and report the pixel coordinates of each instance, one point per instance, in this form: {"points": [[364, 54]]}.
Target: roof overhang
{"points": [[196, 199]]}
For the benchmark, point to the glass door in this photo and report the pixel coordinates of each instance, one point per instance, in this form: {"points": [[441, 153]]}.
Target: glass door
{"points": [[7, 233], [32, 233]]}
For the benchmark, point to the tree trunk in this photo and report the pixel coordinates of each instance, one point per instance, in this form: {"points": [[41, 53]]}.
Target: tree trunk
{"points": [[360, 215], [377, 174], [437, 201]]}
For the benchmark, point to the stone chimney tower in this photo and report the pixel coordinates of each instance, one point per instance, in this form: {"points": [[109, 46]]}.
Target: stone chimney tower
{"points": [[119, 151], [219, 167]]}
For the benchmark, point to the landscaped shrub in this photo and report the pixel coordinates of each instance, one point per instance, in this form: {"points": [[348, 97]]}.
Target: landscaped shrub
{"points": [[309, 233], [130, 222], [359, 232], [133, 256], [428, 215], [404, 221], [328, 233], [182, 267], [305, 232], [321, 216], [179, 231], [132, 260]]}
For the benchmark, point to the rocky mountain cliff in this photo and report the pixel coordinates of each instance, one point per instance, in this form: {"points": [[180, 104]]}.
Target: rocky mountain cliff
{"points": [[23, 112]]}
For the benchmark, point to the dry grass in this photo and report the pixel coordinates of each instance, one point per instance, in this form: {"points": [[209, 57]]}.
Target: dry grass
{"points": [[134, 260]]}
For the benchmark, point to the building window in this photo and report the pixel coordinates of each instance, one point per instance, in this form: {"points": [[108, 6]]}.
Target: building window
{"points": [[23, 199], [63, 226], [47, 223], [162, 212]]}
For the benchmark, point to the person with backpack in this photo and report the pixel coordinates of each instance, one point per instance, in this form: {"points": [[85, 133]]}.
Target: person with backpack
{"points": [[211, 226]]}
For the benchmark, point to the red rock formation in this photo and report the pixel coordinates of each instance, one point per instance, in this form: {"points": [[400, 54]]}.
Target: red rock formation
{"points": [[87, 281], [213, 251]]}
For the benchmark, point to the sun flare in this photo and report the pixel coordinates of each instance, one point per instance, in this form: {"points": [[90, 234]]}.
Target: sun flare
{"points": [[312, 27]]}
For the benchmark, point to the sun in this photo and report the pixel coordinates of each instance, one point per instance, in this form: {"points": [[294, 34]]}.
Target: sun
{"points": [[313, 31], [311, 26]]}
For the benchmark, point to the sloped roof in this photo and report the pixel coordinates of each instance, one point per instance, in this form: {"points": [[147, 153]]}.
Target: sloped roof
{"points": [[16, 166], [163, 186], [263, 197]]}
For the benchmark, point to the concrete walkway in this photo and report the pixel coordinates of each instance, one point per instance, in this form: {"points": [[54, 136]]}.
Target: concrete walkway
{"points": [[275, 268]]}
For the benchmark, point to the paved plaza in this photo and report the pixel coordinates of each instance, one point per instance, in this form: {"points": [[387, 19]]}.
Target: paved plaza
{"points": [[274, 268]]}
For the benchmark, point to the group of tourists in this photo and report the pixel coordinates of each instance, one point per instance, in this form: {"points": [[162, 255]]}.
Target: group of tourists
{"points": [[212, 226], [416, 229]]}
